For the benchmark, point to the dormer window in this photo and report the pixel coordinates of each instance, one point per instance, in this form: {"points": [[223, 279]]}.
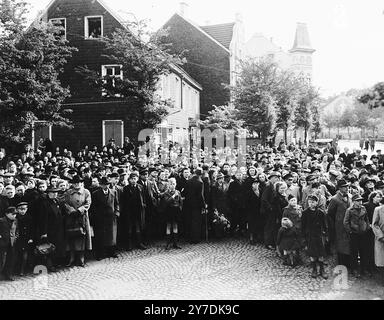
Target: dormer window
{"points": [[61, 23], [93, 27]]}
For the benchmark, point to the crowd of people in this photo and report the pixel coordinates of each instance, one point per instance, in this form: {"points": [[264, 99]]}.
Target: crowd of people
{"points": [[60, 209]]}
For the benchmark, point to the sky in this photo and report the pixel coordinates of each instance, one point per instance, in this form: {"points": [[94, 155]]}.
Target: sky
{"points": [[348, 35]]}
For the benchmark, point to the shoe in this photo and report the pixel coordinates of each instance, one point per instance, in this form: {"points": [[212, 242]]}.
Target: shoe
{"points": [[9, 278], [81, 264], [52, 269], [356, 274], [270, 247], [114, 256], [70, 264], [175, 246]]}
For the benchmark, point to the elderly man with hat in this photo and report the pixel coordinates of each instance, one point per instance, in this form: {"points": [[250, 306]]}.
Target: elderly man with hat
{"points": [[77, 202], [105, 211], [133, 212], [335, 216]]}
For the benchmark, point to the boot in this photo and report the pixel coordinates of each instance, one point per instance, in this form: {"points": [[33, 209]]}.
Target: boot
{"points": [[323, 274], [314, 269], [175, 246], [169, 242], [140, 244], [129, 244]]}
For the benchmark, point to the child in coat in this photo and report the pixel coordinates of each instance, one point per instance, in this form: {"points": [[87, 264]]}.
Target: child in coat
{"points": [[287, 242], [25, 239], [8, 236], [315, 230]]}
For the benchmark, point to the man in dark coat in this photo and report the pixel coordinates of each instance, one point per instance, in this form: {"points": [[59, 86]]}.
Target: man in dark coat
{"points": [[133, 211], [151, 196], [267, 200], [104, 212], [49, 226], [8, 235], [194, 204]]}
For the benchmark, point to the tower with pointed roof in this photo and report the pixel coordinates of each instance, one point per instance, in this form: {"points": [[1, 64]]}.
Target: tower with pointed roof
{"points": [[301, 52]]}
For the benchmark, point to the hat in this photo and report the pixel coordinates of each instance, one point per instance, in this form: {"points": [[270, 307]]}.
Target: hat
{"points": [[113, 175], [143, 171], [334, 173], [291, 196], [8, 175], [220, 175], [285, 222], [274, 174], [368, 179], [313, 198], [103, 181], [77, 179], [10, 210], [310, 177], [133, 174], [152, 169], [357, 197], [21, 204], [52, 190], [342, 183], [287, 176]]}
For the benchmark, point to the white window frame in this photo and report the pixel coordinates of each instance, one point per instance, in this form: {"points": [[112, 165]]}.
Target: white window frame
{"points": [[33, 132], [104, 73], [65, 24], [86, 27], [122, 131]]}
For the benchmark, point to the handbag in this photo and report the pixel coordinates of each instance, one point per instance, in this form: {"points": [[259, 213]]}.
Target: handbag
{"points": [[44, 249]]}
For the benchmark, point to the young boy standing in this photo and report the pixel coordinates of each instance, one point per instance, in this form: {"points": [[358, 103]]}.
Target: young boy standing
{"points": [[25, 239], [315, 230]]}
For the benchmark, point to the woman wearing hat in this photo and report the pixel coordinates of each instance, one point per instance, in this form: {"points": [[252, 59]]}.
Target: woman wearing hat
{"points": [[357, 225], [77, 202], [220, 202]]}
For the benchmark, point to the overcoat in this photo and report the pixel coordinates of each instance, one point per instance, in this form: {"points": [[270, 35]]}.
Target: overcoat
{"points": [[133, 206], [315, 230], [335, 218], [103, 213], [378, 229], [73, 201]]}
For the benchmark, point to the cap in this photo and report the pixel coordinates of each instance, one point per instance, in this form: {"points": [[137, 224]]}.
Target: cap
{"points": [[313, 198], [10, 210], [342, 183], [21, 204], [103, 181], [77, 179], [52, 190], [357, 197], [274, 174]]}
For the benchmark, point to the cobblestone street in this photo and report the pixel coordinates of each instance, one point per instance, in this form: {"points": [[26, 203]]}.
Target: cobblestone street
{"points": [[228, 269]]}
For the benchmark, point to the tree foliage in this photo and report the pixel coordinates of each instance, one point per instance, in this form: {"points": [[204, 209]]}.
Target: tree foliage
{"points": [[144, 60], [31, 61], [373, 98], [224, 118]]}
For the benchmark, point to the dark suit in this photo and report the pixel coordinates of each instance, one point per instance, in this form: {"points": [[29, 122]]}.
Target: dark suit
{"points": [[194, 204], [267, 199], [104, 212], [8, 237]]}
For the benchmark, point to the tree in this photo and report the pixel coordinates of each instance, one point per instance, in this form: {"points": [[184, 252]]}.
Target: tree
{"points": [[307, 103], [347, 119], [255, 98], [144, 60], [223, 118], [31, 61], [374, 97]]}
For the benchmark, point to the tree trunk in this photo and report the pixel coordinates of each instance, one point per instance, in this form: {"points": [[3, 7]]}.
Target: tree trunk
{"points": [[286, 135], [329, 133], [305, 135]]}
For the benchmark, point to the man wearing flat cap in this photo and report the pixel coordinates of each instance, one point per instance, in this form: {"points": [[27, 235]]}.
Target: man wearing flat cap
{"points": [[335, 216]]}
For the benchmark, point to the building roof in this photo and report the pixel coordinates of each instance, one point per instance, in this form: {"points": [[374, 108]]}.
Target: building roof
{"points": [[302, 41], [223, 33], [199, 29]]}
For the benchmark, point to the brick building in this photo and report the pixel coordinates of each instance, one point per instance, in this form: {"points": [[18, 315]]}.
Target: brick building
{"points": [[95, 118]]}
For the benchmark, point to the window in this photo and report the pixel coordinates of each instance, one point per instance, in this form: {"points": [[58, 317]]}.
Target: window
{"points": [[93, 27], [110, 73], [113, 129], [60, 22]]}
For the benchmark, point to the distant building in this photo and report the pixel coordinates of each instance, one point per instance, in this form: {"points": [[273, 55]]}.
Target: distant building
{"points": [[298, 59], [213, 53], [97, 118]]}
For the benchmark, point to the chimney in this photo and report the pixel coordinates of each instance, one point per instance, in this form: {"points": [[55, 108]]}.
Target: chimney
{"points": [[184, 9]]}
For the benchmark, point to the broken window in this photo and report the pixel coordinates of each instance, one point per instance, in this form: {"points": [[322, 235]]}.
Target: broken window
{"points": [[93, 27]]}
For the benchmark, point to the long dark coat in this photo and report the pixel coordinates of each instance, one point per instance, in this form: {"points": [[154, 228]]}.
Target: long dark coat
{"points": [[50, 221], [220, 199], [133, 206], [335, 218], [252, 209], [25, 226], [104, 212], [315, 230], [268, 215], [288, 239], [193, 206]]}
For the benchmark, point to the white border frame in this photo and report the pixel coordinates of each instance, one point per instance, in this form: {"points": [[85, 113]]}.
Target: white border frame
{"points": [[122, 131], [86, 27], [65, 21], [33, 132]]}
